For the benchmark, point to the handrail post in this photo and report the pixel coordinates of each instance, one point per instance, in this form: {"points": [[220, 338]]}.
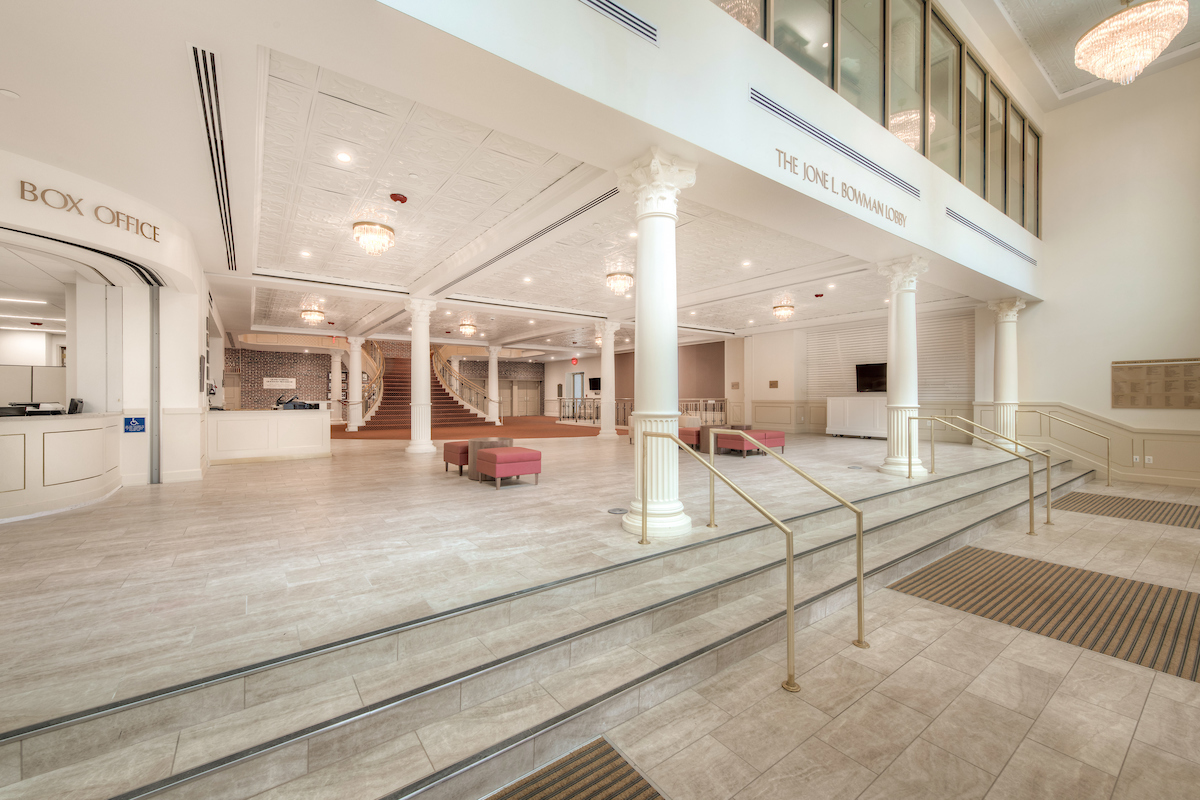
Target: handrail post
{"points": [[912, 432], [1031, 531], [645, 524], [1108, 459], [861, 641], [712, 482], [1049, 487], [790, 684]]}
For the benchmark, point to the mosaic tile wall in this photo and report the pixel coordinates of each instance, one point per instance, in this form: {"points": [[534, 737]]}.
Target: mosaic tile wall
{"points": [[509, 370], [311, 371]]}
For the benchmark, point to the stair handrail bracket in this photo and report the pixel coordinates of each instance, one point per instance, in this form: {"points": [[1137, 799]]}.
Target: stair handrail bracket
{"points": [[789, 684], [1107, 440], [912, 438]]}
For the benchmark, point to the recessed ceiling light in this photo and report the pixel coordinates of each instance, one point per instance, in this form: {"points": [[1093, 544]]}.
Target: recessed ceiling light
{"points": [[10, 94], [633, 234], [17, 300], [343, 157], [530, 322], [447, 313], [628, 296], [826, 44], [833, 286], [887, 301], [751, 322], [410, 327], [528, 280], [745, 263], [693, 313], [547, 340], [44, 319], [306, 351], [627, 340], [305, 254]]}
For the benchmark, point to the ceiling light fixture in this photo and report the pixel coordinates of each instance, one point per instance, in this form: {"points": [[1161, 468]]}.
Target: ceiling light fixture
{"points": [[1120, 47], [8, 328], [374, 237], [312, 315], [467, 328], [832, 286], [44, 319], [528, 280], [530, 322], [17, 300], [343, 157], [906, 125], [619, 282], [784, 308], [747, 12], [305, 254]]}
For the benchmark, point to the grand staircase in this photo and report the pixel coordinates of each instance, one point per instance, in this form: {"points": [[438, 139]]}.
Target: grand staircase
{"points": [[466, 700], [394, 410]]}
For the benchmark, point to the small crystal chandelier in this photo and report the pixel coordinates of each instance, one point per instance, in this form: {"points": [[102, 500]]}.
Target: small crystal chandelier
{"points": [[467, 328], [747, 12], [1120, 47], [784, 308], [599, 342], [619, 282], [374, 237], [312, 314], [906, 125]]}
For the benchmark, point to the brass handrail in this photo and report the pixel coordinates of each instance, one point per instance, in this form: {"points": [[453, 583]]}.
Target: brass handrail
{"points": [[912, 436], [944, 417], [790, 684], [1107, 441], [861, 641]]}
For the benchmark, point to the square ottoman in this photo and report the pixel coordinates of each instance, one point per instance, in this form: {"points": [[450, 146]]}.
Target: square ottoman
{"points": [[765, 438], [508, 462], [455, 453]]}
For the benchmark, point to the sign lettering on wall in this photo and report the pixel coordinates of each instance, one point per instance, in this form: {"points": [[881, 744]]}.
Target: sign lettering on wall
{"points": [[840, 189], [279, 383], [63, 201]]}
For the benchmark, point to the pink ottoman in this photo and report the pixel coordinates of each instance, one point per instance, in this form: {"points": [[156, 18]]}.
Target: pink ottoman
{"points": [[455, 453], [766, 438], [690, 436], [508, 462]]}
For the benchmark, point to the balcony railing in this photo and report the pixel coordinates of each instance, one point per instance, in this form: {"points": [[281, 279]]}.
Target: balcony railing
{"points": [[586, 410]]}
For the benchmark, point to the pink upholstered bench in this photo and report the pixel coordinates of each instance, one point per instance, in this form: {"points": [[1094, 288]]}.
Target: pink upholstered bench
{"points": [[455, 453], [766, 438], [690, 436], [508, 462]]}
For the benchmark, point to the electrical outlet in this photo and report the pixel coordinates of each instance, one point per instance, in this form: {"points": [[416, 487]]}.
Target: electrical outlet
{"points": [[1149, 459], [1135, 459]]}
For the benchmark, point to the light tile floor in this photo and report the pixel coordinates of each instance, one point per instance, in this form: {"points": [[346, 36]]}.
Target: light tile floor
{"points": [[158, 585]]}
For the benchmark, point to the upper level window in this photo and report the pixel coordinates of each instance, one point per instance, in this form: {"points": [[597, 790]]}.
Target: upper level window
{"points": [[803, 31]]}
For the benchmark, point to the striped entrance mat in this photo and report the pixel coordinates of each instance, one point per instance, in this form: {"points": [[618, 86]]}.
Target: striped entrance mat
{"points": [[1140, 622], [593, 772], [1181, 514]]}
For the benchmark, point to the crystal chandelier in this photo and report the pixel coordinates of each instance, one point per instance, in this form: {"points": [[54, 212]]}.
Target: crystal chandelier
{"points": [[374, 237], [467, 328], [1120, 47], [619, 282], [784, 308], [906, 125], [599, 342], [747, 12], [312, 314]]}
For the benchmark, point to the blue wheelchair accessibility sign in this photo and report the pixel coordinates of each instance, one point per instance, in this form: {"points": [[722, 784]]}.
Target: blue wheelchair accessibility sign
{"points": [[135, 424]]}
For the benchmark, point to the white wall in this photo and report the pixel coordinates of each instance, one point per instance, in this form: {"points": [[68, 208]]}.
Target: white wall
{"points": [[26, 348], [1122, 192]]}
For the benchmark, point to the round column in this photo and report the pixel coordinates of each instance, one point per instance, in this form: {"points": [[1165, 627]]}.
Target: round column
{"points": [[493, 384], [655, 182], [902, 401], [420, 409], [608, 378], [1004, 397], [354, 384]]}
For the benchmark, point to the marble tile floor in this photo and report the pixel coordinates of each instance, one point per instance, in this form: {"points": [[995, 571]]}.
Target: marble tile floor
{"points": [[158, 585], [943, 705]]}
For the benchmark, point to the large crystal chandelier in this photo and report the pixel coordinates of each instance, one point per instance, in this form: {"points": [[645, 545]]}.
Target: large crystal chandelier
{"points": [[784, 308], [906, 125], [467, 328], [374, 237], [619, 282], [747, 12], [1120, 47], [312, 314]]}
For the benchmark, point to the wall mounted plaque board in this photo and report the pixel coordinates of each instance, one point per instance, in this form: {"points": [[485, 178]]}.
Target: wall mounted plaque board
{"points": [[1163, 383]]}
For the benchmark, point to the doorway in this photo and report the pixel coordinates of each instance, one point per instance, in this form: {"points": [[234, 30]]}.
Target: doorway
{"points": [[520, 398]]}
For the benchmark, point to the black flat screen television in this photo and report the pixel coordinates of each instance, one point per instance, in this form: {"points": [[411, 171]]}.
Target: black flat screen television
{"points": [[871, 377], [593, 384]]}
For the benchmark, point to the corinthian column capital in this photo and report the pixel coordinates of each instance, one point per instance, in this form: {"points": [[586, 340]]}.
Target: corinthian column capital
{"points": [[655, 180], [421, 309], [903, 272], [607, 328], [1007, 309]]}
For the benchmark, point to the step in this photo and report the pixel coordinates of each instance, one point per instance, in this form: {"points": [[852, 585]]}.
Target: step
{"points": [[308, 688]]}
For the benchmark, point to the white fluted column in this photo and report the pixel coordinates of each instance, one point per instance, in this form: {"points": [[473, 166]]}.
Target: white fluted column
{"points": [[354, 384], [902, 400], [608, 378], [493, 384], [1004, 386], [655, 181], [421, 433]]}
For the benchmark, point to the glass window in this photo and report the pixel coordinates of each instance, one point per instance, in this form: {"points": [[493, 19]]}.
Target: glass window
{"points": [[944, 96], [1016, 167], [997, 107], [906, 95], [860, 56], [802, 31], [973, 123], [1033, 144], [751, 13]]}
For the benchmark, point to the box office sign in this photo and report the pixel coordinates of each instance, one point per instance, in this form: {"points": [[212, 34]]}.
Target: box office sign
{"points": [[66, 202]]}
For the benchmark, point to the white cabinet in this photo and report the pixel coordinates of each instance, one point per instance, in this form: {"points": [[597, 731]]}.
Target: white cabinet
{"points": [[859, 415]]}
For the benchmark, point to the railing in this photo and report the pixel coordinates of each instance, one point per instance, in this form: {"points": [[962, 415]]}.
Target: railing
{"points": [[1107, 441], [710, 410], [587, 410], [463, 388], [372, 353], [912, 438]]}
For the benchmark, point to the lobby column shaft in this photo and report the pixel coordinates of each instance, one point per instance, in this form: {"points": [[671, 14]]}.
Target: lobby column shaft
{"points": [[655, 181], [354, 384], [608, 378], [902, 397], [1004, 397], [420, 410], [493, 384]]}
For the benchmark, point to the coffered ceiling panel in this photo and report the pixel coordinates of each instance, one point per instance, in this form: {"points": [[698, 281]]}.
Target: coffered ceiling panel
{"points": [[713, 249], [865, 291], [335, 148], [1051, 28], [490, 328], [279, 308]]}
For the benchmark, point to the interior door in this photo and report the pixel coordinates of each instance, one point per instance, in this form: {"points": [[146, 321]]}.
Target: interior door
{"points": [[506, 398], [528, 394]]}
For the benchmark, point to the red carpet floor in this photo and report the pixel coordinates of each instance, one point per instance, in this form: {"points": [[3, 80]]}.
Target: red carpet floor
{"points": [[513, 428]]}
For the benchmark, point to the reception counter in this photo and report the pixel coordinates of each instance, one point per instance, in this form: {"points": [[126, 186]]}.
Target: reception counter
{"points": [[237, 436], [50, 463]]}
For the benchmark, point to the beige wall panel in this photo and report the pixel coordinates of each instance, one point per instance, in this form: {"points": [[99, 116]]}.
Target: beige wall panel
{"points": [[304, 432], [72, 456], [1173, 455], [12, 462], [237, 434], [112, 447], [776, 415]]}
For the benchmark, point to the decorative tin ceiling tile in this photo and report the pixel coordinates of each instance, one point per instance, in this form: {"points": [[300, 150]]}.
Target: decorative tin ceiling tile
{"points": [[361, 94]]}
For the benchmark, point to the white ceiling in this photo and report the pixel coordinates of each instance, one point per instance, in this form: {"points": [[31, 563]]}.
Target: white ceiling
{"points": [[32, 275], [279, 308], [460, 178], [1050, 29]]}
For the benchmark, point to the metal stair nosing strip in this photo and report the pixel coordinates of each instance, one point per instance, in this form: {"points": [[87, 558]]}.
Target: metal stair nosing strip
{"points": [[448, 772], [261, 666]]}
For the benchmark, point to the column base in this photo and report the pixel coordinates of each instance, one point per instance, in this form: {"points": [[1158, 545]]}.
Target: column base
{"points": [[665, 520], [894, 466], [421, 447], [351, 428], [606, 435]]}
